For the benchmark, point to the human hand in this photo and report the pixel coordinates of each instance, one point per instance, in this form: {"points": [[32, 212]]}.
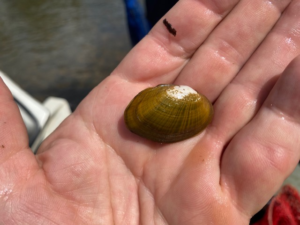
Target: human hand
{"points": [[92, 170]]}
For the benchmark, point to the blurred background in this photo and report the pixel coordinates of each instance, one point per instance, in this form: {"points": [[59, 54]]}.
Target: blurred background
{"points": [[65, 48]]}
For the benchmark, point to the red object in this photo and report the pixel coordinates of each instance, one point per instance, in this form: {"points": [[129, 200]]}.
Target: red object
{"points": [[284, 208]]}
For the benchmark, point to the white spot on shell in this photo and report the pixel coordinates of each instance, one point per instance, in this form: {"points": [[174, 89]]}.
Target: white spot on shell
{"points": [[180, 92]]}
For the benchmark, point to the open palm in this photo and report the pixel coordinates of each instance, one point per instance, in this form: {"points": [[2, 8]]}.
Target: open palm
{"points": [[92, 170]]}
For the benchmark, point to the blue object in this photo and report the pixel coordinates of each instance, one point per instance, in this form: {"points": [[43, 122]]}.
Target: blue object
{"points": [[136, 20]]}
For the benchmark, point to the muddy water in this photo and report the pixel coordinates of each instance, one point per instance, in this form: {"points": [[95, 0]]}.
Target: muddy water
{"points": [[61, 48]]}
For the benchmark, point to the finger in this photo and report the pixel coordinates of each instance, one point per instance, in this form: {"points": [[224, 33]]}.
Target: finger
{"points": [[160, 56], [245, 94], [230, 45], [266, 151], [13, 135]]}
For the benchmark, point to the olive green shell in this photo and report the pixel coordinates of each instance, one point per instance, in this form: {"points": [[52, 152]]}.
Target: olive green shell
{"points": [[160, 117]]}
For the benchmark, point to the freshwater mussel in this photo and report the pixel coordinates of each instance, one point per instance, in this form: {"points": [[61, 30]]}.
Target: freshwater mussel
{"points": [[168, 113]]}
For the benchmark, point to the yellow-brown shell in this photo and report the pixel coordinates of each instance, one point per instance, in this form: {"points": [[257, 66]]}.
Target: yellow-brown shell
{"points": [[165, 113]]}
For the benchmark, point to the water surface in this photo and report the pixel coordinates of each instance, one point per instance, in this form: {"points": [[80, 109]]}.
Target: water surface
{"points": [[61, 48]]}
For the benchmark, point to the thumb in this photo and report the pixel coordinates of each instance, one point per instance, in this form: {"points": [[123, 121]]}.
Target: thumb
{"points": [[13, 134]]}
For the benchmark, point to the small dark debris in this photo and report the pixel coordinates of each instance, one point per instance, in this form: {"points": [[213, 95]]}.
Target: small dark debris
{"points": [[2, 146], [169, 27]]}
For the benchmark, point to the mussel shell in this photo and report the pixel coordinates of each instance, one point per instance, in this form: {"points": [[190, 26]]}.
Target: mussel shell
{"points": [[159, 116]]}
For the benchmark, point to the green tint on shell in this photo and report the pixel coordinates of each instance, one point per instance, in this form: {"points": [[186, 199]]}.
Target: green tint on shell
{"points": [[162, 117]]}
